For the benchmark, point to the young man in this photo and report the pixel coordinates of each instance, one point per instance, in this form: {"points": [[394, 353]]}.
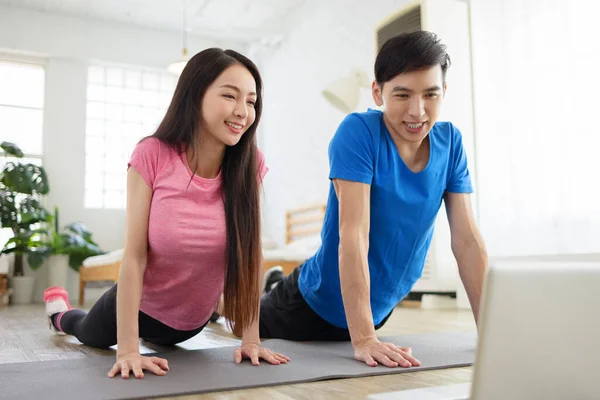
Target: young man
{"points": [[389, 172]]}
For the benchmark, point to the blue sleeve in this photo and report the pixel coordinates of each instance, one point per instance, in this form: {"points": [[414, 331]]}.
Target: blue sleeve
{"points": [[351, 151], [459, 179]]}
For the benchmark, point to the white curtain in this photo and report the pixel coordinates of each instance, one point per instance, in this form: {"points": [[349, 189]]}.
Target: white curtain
{"points": [[536, 66]]}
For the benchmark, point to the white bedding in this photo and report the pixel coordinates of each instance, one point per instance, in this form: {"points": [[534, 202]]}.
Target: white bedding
{"points": [[103, 259], [298, 250]]}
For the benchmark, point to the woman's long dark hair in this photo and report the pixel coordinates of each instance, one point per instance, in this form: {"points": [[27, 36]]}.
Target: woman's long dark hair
{"points": [[240, 178]]}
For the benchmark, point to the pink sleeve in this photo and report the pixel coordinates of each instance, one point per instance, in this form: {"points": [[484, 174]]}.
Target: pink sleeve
{"points": [[262, 165], [145, 159]]}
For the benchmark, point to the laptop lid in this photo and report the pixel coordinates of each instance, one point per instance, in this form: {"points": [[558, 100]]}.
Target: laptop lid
{"points": [[539, 332]]}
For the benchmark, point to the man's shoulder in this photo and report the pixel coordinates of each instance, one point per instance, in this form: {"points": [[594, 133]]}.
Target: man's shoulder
{"points": [[443, 128], [445, 135], [369, 119], [358, 126]]}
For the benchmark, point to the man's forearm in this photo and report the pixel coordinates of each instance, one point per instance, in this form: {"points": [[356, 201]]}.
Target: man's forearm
{"points": [[355, 286], [472, 261]]}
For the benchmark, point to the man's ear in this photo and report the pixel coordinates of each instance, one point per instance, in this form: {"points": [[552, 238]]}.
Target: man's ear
{"points": [[377, 94], [445, 89]]}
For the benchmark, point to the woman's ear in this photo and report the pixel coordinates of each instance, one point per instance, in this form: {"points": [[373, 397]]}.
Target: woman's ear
{"points": [[377, 94]]}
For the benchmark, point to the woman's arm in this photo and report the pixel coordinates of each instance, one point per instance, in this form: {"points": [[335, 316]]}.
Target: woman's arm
{"points": [[133, 265], [131, 275]]}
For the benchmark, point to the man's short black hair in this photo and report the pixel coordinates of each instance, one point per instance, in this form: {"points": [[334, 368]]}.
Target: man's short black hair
{"points": [[409, 52]]}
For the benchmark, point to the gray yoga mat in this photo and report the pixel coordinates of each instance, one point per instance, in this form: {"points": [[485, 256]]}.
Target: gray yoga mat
{"points": [[209, 370]]}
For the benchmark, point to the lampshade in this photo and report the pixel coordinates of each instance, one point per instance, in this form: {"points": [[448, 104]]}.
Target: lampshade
{"points": [[178, 66], [343, 93]]}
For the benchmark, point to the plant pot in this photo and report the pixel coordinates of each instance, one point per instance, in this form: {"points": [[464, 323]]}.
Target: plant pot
{"points": [[22, 289], [58, 267]]}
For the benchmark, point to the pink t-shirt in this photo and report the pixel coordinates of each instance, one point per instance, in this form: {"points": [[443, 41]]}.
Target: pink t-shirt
{"points": [[185, 271]]}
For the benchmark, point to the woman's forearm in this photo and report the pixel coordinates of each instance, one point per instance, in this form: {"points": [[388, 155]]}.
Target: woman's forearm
{"points": [[129, 294]]}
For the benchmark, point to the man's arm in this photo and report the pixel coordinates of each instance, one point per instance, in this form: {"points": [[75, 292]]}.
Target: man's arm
{"points": [[354, 223], [467, 246], [354, 215]]}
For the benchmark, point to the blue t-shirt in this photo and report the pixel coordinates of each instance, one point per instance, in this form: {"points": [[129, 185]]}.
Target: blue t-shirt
{"points": [[404, 206]]}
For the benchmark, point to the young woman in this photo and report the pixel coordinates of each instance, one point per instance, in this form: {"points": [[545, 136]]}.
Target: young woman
{"points": [[193, 224]]}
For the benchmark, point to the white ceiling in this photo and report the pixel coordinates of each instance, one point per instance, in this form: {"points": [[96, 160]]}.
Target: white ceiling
{"points": [[239, 19]]}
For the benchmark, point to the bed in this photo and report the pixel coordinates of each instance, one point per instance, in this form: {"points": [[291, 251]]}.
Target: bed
{"points": [[302, 238]]}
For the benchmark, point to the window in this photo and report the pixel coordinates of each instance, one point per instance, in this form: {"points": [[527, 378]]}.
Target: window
{"points": [[21, 113], [535, 66], [124, 104]]}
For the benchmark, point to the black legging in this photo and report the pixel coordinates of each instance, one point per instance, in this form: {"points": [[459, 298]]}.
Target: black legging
{"points": [[98, 328]]}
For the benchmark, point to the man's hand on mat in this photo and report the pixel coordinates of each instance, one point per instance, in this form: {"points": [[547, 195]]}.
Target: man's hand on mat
{"points": [[254, 352], [372, 351], [136, 363]]}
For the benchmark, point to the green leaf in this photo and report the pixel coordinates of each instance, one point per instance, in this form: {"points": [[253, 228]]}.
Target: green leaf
{"points": [[12, 149], [8, 210], [16, 244], [32, 211], [25, 241], [25, 178], [37, 256], [76, 260]]}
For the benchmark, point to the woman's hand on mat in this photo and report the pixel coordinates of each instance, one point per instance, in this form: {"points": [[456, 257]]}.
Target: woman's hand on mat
{"points": [[254, 352], [372, 352], [136, 363]]}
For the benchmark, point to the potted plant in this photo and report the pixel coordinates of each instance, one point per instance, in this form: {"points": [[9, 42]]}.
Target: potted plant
{"points": [[21, 185], [66, 248]]}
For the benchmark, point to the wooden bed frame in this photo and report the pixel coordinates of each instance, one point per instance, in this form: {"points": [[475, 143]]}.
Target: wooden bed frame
{"points": [[299, 222]]}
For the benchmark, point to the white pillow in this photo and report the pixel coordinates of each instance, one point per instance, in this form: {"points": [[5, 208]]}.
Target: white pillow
{"points": [[269, 244], [310, 243]]}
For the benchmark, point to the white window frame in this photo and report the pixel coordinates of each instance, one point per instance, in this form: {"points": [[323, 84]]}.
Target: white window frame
{"points": [[35, 158], [124, 104]]}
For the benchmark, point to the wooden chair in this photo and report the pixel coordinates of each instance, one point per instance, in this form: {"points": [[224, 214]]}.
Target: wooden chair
{"points": [[300, 223], [102, 268], [304, 221]]}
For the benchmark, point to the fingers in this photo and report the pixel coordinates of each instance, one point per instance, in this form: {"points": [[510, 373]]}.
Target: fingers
{"points": [[254, 358], [386, 360], [412, 360], [270, 358], [237, 355], [399, 355], [274, 358], [161, 362], [406, 353], [124, 369], [155, 368], [388, 355], [281, 357], [137, 365], [114, 370], [137, 371], [366, 357]]}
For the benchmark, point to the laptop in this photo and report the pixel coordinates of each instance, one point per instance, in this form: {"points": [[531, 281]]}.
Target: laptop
{"points": [[539, 336]]}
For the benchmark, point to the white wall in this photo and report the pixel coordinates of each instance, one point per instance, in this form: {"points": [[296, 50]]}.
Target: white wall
{"points": [[68, 44], [331, 38]]}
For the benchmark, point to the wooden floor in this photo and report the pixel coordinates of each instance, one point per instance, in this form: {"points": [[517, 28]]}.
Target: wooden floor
{"points": [[24, 336]]}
